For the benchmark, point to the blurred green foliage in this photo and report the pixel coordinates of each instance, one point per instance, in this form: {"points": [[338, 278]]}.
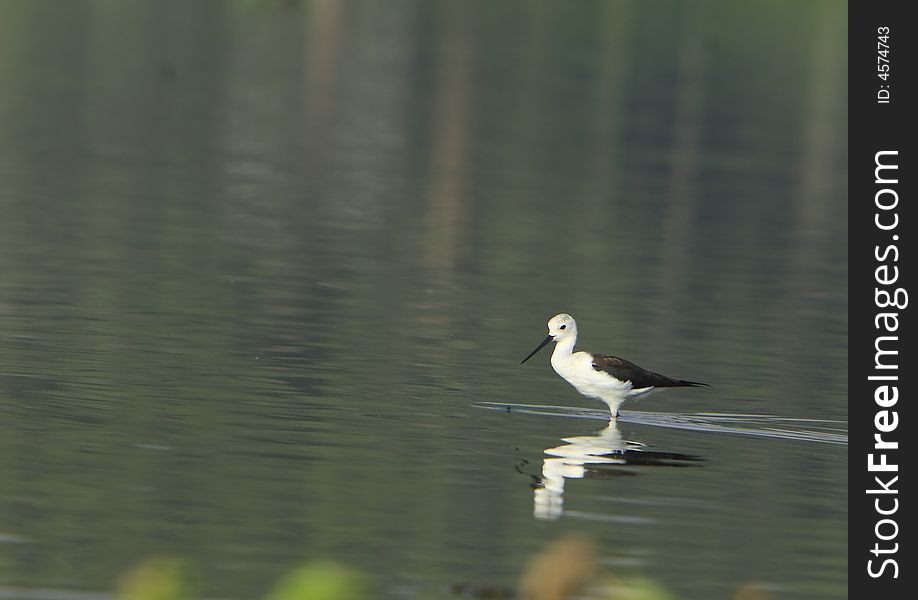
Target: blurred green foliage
{"points": [[565, 568], [320, 581], [158, 578], [170, 578]]}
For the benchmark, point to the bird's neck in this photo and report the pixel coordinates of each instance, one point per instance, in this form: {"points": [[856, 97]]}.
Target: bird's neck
{"points": [[564, 347]]}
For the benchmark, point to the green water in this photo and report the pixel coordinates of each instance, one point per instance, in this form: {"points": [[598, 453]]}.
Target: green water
{"points": [[261, 263]]}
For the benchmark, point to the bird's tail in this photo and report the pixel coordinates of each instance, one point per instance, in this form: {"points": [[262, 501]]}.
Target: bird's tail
{"points": [[683, 382]]}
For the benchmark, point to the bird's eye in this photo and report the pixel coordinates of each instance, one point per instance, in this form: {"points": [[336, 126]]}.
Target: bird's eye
{"points": [[563, 327]]}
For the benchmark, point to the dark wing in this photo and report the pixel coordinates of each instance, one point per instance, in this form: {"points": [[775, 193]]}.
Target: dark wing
{"points": [[625, 370]]}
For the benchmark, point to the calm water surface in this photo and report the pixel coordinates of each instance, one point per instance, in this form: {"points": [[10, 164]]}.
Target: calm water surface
{"points": [[264, 265]]}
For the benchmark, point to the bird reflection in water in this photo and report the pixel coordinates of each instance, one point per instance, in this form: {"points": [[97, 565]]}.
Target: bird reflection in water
{"points": [[606, 454]]}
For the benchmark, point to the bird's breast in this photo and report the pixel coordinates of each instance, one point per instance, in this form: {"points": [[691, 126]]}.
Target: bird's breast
{"points": [[578, 371]]}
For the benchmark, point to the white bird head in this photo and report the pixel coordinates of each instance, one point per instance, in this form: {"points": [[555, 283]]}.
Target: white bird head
{"points": [[560, 327]]}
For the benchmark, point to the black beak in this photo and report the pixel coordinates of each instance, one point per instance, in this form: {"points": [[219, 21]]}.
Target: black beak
{"points": [[540, 346]]}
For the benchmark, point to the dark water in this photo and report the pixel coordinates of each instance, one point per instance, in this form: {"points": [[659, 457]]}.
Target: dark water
{"points": [[264, 264]]}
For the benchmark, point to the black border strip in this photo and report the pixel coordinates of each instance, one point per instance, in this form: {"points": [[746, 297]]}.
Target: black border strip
{"points": [[880, 263]]}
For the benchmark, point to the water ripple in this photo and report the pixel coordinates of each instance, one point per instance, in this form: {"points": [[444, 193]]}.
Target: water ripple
{"points": [[767, 426]]}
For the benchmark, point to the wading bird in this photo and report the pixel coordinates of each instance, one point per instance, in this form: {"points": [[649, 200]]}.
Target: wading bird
{"points": [[608, 378]]}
